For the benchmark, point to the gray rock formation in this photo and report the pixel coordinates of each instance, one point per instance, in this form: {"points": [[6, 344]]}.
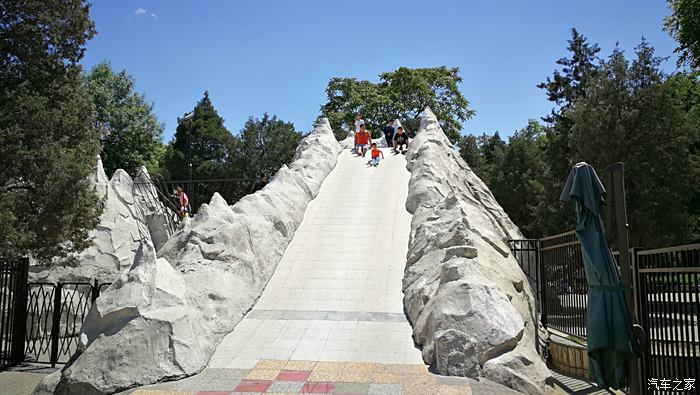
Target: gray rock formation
{"points": [[163, 320], [159, 220], [116, 239], [471, 306]]}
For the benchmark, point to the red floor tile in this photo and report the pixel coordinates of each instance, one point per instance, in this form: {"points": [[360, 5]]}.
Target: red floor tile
{"points": [[317, 387], [253, 385], [293, 375]]}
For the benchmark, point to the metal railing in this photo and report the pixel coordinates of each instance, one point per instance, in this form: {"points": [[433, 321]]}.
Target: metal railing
{"points": [[154, 199], [564, 286], [54, 317], [13, 276], [526, 252], [201, 191], [667, 294], [666, 300]]}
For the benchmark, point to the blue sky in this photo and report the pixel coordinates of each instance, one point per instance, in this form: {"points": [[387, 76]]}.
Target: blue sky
{"points": [[277, 56]]}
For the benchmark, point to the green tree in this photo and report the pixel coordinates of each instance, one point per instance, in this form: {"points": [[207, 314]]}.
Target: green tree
{"points": [[633, 113], [470, 151], [265, 145], [403, 93], [202, 140], [48, 139], [131, 133], [684, 26], [564, 89], [520, 176]]}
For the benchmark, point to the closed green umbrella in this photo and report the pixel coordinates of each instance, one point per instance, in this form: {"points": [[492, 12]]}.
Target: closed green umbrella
{"points": [[608, 325]]}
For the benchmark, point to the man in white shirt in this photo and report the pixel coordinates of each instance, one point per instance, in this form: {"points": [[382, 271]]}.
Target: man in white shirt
{"points": [[358, 121]]}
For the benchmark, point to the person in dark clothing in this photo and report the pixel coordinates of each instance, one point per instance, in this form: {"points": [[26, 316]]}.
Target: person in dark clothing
{"points": [[389, 133], [259, 183], [400, 141]]}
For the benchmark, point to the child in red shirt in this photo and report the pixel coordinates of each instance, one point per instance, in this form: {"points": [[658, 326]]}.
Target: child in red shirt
{"points": [[362, 139], [376, 152]]}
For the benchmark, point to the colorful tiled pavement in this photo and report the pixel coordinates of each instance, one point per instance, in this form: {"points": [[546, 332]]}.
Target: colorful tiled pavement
{"points": [[308, 377]]}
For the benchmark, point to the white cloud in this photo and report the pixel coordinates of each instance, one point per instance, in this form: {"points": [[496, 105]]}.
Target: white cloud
{"points": [[143, 12]]}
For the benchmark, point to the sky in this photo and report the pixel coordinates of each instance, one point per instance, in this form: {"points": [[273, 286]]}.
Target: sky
{"points": [[278, 56]]}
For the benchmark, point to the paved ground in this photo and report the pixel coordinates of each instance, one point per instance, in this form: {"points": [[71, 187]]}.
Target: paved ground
{"points": [[21, 380]]}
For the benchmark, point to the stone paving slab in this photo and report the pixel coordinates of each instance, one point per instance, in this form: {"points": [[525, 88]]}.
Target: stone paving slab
{"points": [[19, 383], [323, 377]]}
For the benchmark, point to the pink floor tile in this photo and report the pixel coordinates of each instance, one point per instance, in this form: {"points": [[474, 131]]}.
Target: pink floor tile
{"points": [[253, 385], [293, 375]]}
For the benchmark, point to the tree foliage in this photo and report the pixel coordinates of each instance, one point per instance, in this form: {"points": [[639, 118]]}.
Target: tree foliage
{"points": [[201, 141], [516, 172], [632, 113], [684, 25], [402, 94], [265, 145], [48, 139], [607, 111], [131, 133]]}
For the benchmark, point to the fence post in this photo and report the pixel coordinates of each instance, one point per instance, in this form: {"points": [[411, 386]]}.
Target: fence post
{"points": [[617, 174], [55, 323], [543, 285], [95, 291], [19, 311]]}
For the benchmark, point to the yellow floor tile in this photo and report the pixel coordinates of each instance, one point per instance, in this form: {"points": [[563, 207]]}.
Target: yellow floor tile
{"points": [[330, 366], [270, 364], [262, 374], [299, 365]]}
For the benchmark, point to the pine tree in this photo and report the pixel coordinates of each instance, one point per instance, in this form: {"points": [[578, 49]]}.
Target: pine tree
{"points": [[48, 139], [564, 89], [201, 142], [633, 113]]}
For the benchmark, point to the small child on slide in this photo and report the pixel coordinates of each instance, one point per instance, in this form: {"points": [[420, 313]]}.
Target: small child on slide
{"points": [[376, 152]]}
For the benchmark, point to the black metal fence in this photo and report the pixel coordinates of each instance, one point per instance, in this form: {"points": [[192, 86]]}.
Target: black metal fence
{"points": [[564, 285], [54, 317], [13, 277], [526, 251], [667, 295]]}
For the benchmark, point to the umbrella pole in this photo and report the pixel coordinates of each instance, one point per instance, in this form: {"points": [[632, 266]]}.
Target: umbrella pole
{"points": [[616, 173]]}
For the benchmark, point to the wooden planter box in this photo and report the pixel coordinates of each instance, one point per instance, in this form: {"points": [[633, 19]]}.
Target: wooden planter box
{"points": [[568, 357]]}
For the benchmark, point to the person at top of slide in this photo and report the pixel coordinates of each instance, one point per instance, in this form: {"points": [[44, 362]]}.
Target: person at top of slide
{"points": [[362, 139], [396, 125], [400, 141], [358, 121], [389, 133]]}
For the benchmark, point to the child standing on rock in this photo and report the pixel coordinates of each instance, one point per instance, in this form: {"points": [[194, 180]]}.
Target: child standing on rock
{"points": [[362, 140], [375, 152]]}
